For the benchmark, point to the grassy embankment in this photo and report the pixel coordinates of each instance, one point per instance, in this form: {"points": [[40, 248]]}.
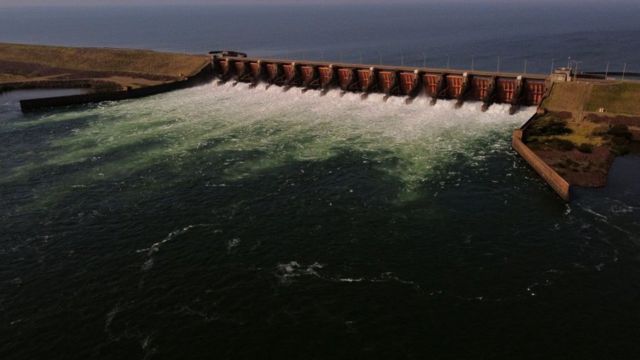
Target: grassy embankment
{"points": [[585, 125], [24, 66]]}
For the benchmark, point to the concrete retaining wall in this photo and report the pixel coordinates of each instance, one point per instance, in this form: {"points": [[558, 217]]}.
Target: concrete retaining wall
{"points": [[205, 74], [557, 182]]}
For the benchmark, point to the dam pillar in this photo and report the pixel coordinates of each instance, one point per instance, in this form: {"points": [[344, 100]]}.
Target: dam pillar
{"points": [[435, 86], [348, 79], [534, 91], [274, 74], [327, 77], [484, 89], [310, 78], [222, 66], [241, 71], [256, 69], [410, 84], [367, 80], [505, 90], [454, 86], [291, 75], [464, 89], [517, 95], [388, 81], [460, 86], [442, 89]]}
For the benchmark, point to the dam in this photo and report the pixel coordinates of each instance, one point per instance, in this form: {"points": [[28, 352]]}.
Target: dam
{"points": [[564, 99], [458, 85], [514, 90]]}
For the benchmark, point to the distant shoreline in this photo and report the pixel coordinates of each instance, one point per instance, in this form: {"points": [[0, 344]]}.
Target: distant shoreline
{"points": [[99, 69], [108, 74]]}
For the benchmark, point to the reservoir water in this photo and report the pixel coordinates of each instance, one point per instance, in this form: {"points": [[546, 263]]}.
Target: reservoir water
{"points": [[233, 223]]}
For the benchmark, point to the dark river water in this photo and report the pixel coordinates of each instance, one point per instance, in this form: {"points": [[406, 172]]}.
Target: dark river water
{"points": [[224, 222]]}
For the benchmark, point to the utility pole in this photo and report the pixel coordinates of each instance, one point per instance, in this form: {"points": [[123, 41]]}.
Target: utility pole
{"points": [[606, 72], [553, 64], [624, 71], [577, 64]]}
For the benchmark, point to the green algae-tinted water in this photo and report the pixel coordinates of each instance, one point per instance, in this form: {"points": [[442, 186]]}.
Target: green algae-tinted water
{"points": [[226, 222]]}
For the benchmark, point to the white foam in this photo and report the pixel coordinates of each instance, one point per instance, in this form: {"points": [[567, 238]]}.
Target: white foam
{"points": [[288, 272], [281, 127], [155, 247]]}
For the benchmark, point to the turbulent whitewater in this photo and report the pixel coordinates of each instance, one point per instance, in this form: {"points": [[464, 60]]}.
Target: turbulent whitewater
{"points": [[237, 222], [408, 142]]}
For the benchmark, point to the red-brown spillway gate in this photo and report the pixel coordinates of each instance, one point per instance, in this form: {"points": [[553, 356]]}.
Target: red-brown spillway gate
{"points": [[460, 85]]}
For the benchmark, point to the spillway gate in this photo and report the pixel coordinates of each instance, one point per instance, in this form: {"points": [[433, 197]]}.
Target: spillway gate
{"points": [[459, 85]]}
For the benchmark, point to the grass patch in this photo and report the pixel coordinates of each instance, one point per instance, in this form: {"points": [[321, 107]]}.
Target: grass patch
{"points": [[569, 96], [548, 125], [621, 131], [623, 98], [586, 148], [561, 132], [38, 58], [561, 144], [620, 139]]}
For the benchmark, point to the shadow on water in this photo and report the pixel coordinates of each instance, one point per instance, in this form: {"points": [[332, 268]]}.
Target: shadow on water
{"points": [[618, 202], [36, 131], [298, 210], [210, 247], [285, 255], [622, 184]]}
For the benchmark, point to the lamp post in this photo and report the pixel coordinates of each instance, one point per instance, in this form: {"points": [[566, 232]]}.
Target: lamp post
{"points": [[577, 64]]}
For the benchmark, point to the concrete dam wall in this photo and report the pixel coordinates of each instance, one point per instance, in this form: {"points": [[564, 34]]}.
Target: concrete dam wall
{"points": [[459, 85]]}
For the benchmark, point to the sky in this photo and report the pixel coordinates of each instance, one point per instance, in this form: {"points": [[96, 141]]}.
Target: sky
{"points": [[272, 2]]}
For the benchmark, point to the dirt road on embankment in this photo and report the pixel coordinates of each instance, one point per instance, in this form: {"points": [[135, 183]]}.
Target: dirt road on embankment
{"points": [[100, 69]]}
